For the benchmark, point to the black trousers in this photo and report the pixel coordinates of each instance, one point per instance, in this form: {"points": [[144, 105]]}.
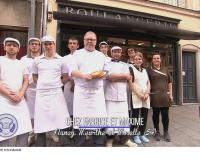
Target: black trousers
{"points": [[140, 113], [165, 118]]}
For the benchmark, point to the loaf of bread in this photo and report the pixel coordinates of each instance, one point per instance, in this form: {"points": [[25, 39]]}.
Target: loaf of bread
{"points": [[97, 74]]}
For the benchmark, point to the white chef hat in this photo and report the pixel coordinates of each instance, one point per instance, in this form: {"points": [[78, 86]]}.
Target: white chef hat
{"points": [[10, 39], [115, 47], [34, 39], [103, 43], [48, 38]]}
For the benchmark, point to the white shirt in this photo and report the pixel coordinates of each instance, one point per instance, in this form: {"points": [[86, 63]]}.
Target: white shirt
{"points": [[28, 63], [49, 71], [66, 61], [88, 62], [116, 91], [11, 73]]}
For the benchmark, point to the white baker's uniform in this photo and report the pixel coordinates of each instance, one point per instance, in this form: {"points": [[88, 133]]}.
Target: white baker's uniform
{"points": [[11, 74], [69, 95], [140, 80], [31, 90], [51, 111], [89, 100], [116, 97]]}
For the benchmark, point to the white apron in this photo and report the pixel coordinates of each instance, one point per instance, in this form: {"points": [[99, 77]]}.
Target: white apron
{"points": [[30, 99], [117, 109], [51, 111], [19, 112], [69, 96], [89, 103]]}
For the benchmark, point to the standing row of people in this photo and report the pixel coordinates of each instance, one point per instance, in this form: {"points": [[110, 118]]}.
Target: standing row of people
{"points": [[84, 96]]}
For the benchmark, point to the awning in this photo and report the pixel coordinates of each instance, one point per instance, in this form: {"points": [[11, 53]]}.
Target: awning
{"points": [[129, 25]]}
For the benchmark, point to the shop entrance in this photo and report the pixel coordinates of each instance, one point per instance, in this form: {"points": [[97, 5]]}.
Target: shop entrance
{"points": [[143, 42]]}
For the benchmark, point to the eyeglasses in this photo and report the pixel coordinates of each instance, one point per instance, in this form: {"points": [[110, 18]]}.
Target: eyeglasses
{"points": [[87, 39]]}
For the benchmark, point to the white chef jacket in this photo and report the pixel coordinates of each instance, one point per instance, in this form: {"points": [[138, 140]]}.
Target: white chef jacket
{"points": [[88, 62], [49, 71], [116, 91]]}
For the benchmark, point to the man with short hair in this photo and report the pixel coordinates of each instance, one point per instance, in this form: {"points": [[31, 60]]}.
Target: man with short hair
{"points": [[68, 81], [89, 101], [14, 115], [51, 111], [104, 48], [33, 52], [73, 45]]}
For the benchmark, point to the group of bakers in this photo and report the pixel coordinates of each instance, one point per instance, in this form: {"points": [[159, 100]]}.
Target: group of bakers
{"points": [[40, 92]]}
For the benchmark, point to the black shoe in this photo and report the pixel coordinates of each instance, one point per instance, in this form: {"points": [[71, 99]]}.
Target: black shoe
{"points": [[157, 136], [167, 137]]}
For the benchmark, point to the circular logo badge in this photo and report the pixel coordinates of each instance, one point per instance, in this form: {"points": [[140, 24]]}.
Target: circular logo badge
{"points": [[8, 125]]}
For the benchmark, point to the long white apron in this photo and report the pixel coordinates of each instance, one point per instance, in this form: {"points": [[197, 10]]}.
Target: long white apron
{"points": [[69, 96], [30, 99], [51, 111], [89, 103], [119, 111], [18, 120]]}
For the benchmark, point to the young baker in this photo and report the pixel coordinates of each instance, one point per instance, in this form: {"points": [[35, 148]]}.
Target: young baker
{"points": [[116, 95]]}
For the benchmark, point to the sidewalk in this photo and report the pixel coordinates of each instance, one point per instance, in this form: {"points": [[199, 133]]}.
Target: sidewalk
{"points": [[184, 127]]}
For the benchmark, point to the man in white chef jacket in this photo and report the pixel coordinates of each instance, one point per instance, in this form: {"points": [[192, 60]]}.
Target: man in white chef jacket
{"points": [[73, 45], [116, 97], [51, 112], [14, 115], [89, 101], [27, 60]]}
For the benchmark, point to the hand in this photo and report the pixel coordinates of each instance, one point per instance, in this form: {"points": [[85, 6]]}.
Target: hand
{"points": [[128, 77], [146, 96], [16, 97], [171, 98], [141, 96]]}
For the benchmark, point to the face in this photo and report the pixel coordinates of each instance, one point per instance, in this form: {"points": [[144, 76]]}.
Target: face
{"points": [[116, 54], [49, 47], [131, 53], [90, 41], [11, 48], [138, 61], [73, 45], [104, 49], [34, 46], [156, 60]]}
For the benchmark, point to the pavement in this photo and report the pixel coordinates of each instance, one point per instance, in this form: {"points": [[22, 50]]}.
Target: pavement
{"points": [[184, 129]]}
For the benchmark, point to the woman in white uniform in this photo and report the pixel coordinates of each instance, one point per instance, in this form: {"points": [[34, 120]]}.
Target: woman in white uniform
{"points": [[27, 60], [116, 97], [89, 101], [140, 97], [14, 115], [51, 112]]}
